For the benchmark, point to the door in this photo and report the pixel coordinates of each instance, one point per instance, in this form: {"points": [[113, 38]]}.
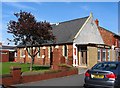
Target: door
{"points": [[11, 56], [51, 56], [82, 55]]}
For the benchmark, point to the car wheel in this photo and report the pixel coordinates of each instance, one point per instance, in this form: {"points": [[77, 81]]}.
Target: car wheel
{"points": [[85, 86], [116, 86]]}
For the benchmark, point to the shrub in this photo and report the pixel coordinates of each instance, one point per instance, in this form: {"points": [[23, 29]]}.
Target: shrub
{"points": [[65, 65]]}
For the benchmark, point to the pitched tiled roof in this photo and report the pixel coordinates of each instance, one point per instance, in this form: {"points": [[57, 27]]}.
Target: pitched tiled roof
{"points": [[66, 31], [5, 47], [105, 29], [109, 31]]}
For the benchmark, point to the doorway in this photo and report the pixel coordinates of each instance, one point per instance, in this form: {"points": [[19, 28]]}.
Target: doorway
{"points": [[82, 55], [51, 56]]}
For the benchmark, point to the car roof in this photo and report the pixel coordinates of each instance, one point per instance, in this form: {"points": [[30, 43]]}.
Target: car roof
{"points": [[118, 62]]}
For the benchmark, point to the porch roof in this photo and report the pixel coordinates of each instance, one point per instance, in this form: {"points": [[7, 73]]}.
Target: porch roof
{"points": [[8, 48], [95, 45]]}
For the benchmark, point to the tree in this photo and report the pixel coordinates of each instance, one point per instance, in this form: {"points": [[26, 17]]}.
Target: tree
{"points": [[28, 32]]}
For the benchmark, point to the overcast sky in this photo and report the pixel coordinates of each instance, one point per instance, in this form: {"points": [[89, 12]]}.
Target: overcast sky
{"points": [[54, 12]]}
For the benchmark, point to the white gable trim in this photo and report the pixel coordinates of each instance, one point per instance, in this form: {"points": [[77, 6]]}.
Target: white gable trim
{"points": [[89, 33], [83, 26]]}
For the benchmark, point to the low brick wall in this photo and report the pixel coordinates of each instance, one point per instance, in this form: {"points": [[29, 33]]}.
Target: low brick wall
{"points": [[15, 78]]}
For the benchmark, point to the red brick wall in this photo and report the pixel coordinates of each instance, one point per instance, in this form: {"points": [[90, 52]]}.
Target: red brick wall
{"points": [[15, 77], [57, 54], [4, 56], [107, 36], [70, 54], [46, 59], [0, 44], [40, 60]]}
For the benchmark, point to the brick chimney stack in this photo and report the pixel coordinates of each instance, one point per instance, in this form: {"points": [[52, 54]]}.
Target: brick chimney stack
{"points": [[97, 22], [0, 44]]}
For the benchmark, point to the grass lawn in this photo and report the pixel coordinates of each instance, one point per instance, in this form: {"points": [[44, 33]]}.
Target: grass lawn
{"points": [[5, 66]]}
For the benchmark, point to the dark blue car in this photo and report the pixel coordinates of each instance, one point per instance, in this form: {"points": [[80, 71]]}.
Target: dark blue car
{"points": [[103, 74]]}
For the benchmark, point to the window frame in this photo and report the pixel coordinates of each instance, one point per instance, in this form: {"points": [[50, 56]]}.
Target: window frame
{"points": [[49, 52], [39, 53], [108, 54], [103, 51], [99, 52], [65, 50], [22, 52]]}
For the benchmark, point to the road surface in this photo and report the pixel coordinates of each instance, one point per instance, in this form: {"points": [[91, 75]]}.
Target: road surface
{"points": [[73, 81]]}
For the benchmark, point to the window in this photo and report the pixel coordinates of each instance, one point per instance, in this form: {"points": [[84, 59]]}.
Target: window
{"points": [[48, 52], [4, 53], [104, 55], [118, 53], [38, 55], [22, 53], [15, 54], [108, 54], [105, 66], [65, 50], [29, 50], [99, 55]]}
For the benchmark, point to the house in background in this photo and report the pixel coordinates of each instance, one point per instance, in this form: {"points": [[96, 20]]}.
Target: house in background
{"points": [[81, 42], [112, 40], [7, 53]]}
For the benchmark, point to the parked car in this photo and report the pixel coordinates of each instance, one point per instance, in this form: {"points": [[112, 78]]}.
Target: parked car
{"points": [[103, 74]]}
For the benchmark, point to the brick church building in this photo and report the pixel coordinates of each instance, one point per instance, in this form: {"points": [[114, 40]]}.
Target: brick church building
{"points": [[80, 42], [7, 53]]}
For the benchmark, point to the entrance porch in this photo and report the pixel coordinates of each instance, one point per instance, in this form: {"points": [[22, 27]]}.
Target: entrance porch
{"points": [[87, 54]]}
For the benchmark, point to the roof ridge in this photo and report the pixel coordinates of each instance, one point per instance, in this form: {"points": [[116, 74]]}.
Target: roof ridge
{"points": [[108, 30], [71, 20]]}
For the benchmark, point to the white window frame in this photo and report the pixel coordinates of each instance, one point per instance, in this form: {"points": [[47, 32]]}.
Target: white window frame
{"points": [[64, 50], [15, 54], [4, 53], [48, 52], [39, 53], [99, 50], [29, 51], [108, 54], [104, 51], [57, 46], [22, 53]]}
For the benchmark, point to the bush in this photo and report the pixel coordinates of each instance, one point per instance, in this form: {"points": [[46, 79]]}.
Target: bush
{"points": [[41, 67], [65, 65]]}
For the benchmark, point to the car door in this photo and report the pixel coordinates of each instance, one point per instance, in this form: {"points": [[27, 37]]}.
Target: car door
{"points": [[119, 74], [117, 82]]}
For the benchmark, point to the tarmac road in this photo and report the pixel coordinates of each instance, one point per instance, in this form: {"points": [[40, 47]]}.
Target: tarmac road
{"points": [[74, 81]]}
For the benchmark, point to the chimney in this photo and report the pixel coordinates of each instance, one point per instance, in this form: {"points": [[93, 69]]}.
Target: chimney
{"points": [[97, 22], [0, 44]]}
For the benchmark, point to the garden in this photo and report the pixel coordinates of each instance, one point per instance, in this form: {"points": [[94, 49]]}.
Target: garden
{"points": [[11, 72], [5, 67]]}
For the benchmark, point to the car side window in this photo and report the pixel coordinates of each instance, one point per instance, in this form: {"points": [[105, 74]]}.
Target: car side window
{"points": [[99, 66], [106, 66], [113, 66]]}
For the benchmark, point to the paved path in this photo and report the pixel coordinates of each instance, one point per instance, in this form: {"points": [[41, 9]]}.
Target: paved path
{"points": [[82, 70]]}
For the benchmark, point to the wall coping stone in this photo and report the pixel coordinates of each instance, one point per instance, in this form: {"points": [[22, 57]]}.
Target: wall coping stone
{"points": [[6, 75], [15, 68]]}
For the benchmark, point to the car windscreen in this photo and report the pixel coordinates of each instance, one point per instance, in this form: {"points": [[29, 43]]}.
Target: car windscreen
{"points": [[105, 66]]}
